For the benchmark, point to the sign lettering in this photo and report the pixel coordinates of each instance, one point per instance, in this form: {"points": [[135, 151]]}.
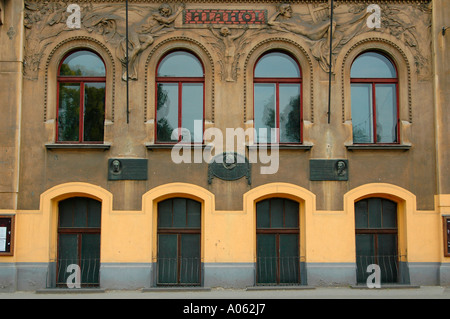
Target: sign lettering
{"points": [[216, 16]]}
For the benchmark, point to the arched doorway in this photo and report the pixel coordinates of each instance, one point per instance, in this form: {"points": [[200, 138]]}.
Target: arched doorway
{"points": [[179, 241], [277, 242], [376, 234], [79, 222]]}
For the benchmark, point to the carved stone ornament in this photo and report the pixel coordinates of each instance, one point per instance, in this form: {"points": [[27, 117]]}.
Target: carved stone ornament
{"points": [[407, 21], [229, 166]]}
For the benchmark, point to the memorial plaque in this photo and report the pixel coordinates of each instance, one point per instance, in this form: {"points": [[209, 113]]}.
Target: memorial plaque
{"points": [[328, 170], [229, 167], [127, 169]]}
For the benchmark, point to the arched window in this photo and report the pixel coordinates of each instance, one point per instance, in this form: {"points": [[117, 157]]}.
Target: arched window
{"points": [[81, 98], [179, 98], [179, 233], [277, 241], [277, 99], [374, 94]]}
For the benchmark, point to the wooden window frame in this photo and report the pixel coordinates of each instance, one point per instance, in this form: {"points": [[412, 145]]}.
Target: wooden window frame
{"points": [[373, 82], [277, 81], [81, 80], [10, 229], [179, 81]]}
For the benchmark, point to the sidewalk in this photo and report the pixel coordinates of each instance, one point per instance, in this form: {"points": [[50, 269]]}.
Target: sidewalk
{"points": [[423, 292]]}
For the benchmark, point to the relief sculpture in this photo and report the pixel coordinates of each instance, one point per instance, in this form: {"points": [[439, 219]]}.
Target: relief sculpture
{"points": [[227, 48], [312, 22], [45, 20]]}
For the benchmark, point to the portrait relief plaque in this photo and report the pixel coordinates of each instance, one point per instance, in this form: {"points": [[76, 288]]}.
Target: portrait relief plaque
{"points": [[127, 169], [328, 170]]}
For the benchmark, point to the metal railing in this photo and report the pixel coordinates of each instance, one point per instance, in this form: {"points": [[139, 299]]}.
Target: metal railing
{"points": [[389, 267], [179, 271], [89, 270], [278, 270]]}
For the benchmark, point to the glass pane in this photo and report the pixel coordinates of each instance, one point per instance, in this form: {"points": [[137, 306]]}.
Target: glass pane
{"points": [[263, 214], [276, 213], [362, 113], [83, 63], [361, 214], [167, 259], [387, 257], [389, 214], [193, 214], [277, 65], [167, 111], [386, 99], [165, 214], [80, 212], [67, 255], [373, 65], [90, 258], [365, 256], [289, 261], [69, 112], [66, 213], [94, 213], [266, 258], [179, 212], [374, 206], [265, 108], [190, 259], [289, 113], [180, 64], [291, 211], [94, 111], [192, 111]]}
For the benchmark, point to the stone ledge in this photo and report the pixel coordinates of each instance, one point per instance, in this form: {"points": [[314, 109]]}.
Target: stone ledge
{"points": [[175, 289], [300, 287], [68, 290]]}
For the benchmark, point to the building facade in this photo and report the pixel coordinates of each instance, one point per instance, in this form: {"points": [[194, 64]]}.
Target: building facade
{"points": [[224, 143]]}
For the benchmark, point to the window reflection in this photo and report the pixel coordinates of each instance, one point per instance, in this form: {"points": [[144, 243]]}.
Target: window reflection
{"points": [[180, 98], [81, 98], [82, 63], [374, 99], [277, 99]]}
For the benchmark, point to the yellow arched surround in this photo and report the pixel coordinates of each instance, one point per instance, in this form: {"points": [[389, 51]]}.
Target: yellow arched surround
{"points": [[49, 208], [409, 220], [307, 202], [151, 199]]}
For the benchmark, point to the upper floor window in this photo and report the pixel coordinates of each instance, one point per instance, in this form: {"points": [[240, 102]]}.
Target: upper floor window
{"points": [[374, 94], [81, 98], [180, 98], [277, 99]]}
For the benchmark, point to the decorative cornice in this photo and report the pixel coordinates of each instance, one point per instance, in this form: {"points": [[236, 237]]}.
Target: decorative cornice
{"points": [[246, 1]]}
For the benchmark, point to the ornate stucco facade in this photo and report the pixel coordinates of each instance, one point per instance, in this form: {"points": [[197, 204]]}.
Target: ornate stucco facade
{"points": [[37, 172]]}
